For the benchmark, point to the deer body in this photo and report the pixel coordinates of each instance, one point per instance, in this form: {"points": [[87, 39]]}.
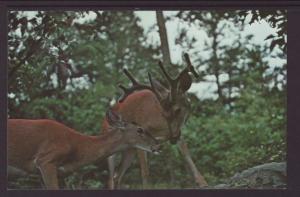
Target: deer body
{"points": [[50, 137], [51, 147], [162, 111]]}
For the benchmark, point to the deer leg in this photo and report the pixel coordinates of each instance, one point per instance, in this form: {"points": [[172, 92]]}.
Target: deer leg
{"points": [[49, 175], [144, 167], [111, 170], [127, 158], [46, 162], [187, 156]]}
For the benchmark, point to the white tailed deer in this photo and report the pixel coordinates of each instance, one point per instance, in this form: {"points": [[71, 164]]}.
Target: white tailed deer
{"points": [[162, 111], [52, 148]]}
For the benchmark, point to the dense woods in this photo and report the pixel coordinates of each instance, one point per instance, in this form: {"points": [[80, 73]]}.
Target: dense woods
{"points": [[63, 67]]}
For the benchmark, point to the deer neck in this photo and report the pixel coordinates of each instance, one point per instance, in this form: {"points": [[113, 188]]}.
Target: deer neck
{"points": [[98, 147], [110, 143]]}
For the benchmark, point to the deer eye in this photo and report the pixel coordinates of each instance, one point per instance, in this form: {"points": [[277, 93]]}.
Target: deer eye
{"points": [[140, 130]]}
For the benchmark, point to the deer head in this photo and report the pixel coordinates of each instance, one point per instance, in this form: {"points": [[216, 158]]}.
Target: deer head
{"points": [[173, 101], [133, 134]]}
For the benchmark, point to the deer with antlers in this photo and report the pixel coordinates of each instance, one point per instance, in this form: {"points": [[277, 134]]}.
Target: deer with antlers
{"points": [[162, 111], [52, 148]]}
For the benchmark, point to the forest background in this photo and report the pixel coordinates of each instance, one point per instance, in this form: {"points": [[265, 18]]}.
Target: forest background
{"points": [[66, 65]]}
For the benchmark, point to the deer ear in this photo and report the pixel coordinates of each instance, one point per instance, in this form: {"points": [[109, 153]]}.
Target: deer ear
{"points": [[114, 119], [185, 82]]}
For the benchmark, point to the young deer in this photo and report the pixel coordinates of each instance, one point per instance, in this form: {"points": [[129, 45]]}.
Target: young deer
{"points": [[51, 147], [163, 111]]}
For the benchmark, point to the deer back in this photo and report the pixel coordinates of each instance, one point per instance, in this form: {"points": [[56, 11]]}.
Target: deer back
{"points": [[143, 108]]}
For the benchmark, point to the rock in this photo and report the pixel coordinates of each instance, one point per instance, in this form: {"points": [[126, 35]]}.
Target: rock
{"points": [[221, 186], [265, 176]]}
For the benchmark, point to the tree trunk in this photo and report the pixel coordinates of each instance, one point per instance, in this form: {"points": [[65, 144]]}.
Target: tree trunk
{"points": [[166, 61], [182, 145], [163, 38], [216, 68]]}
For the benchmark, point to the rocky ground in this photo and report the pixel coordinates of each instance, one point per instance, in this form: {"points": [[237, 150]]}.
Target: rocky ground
{"points": [[267, 176]]}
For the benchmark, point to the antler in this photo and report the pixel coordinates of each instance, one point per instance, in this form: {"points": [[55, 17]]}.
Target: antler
{"points": [[190, 66], [135, 86], [153, 89], [173, 83], [183, 79]]}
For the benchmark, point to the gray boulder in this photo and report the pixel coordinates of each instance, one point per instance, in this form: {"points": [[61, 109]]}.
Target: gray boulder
{"points": [[266, 176]]}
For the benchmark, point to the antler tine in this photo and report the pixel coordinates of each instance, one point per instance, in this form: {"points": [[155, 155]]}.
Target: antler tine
{"points": [[128, 74], [169, 79], [125, 94], [190, 66], [152, 86], [135, 86], [122, 87]]}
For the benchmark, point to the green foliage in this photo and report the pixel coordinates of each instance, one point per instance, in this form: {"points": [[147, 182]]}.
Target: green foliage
{"points": [[245, 125], [86, 178], [228, 142]]}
